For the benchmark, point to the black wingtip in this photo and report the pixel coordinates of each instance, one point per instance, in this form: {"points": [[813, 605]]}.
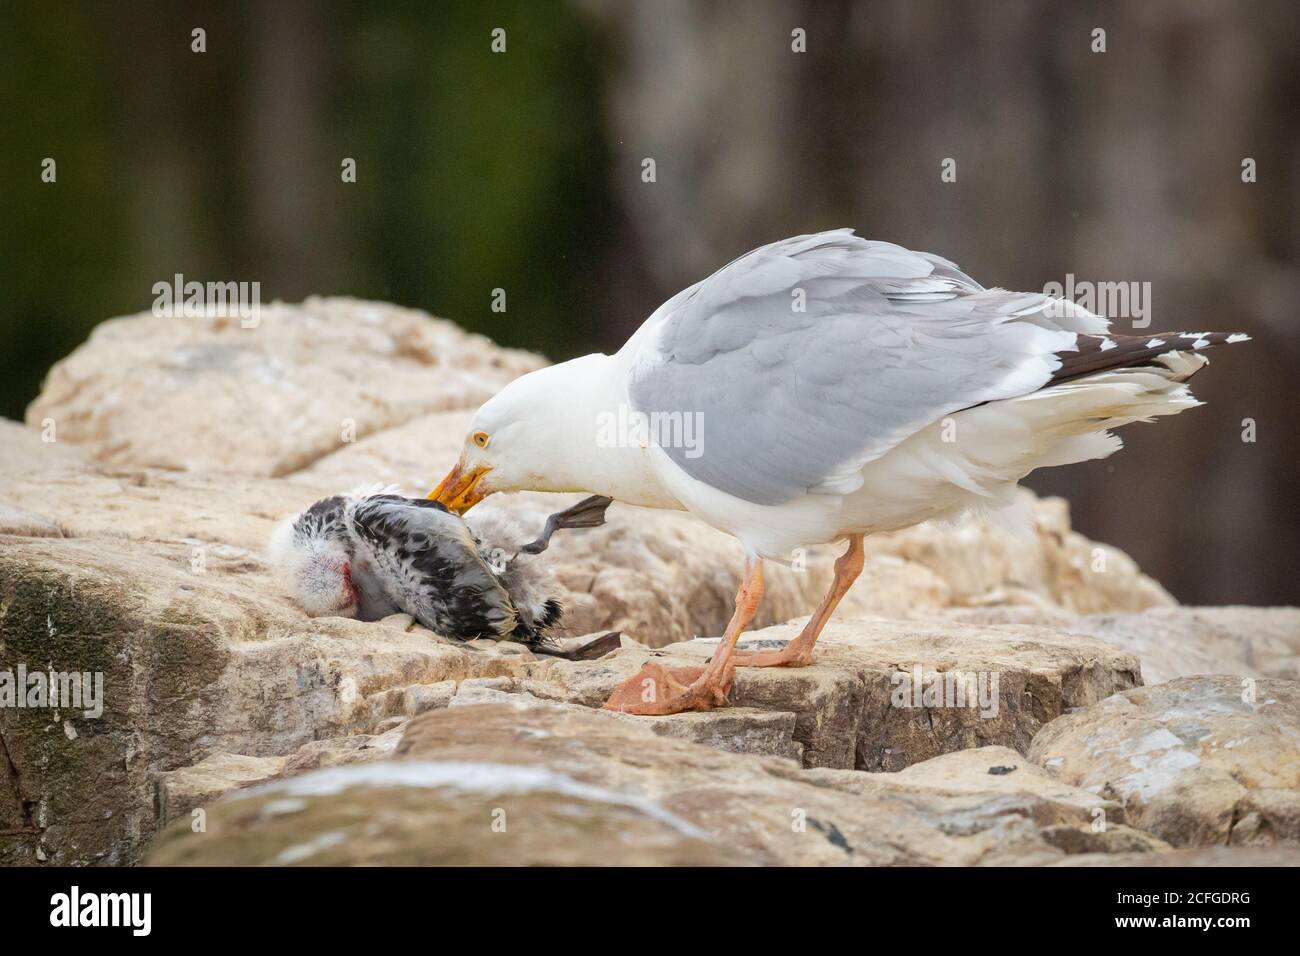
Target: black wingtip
{"points": [[1105, 352]]}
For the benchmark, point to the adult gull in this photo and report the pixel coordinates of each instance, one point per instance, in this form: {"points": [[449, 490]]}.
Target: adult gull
{"points": [[835, 387]]}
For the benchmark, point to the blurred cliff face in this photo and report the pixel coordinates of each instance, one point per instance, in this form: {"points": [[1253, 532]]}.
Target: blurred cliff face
{"points": [[473, 170], [999, 135]]}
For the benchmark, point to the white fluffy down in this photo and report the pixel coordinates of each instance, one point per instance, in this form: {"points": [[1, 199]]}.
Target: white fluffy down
{"points": [[312, 571]]}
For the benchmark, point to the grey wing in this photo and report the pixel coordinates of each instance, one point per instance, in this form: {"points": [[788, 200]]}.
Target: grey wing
{"points": [[429, 564], [805, 359]]}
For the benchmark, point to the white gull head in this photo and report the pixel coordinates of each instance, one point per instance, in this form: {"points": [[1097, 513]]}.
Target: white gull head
{"points": [[546, 431]]}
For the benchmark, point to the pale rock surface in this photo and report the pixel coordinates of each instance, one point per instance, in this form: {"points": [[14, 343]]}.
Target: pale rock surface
{"points": [[1186, 641], [413, 455], [158, 581], [1071, 819], [1196, 761], [1174, 641], [208, 394], [21, 523], [182, 791], [37, 450], [574, 787], [845, 703], [193, 663], [23, 454], [1049, 565], [354, 748], [741, 730]]}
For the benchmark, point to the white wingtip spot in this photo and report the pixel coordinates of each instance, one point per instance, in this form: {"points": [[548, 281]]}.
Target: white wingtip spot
{"points": [[1201, 343], [1107, 344], [1238, 337], [1155, 343]]}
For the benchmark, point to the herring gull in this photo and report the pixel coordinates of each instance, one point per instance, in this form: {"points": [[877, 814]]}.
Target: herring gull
{"points": [[835, 387]]}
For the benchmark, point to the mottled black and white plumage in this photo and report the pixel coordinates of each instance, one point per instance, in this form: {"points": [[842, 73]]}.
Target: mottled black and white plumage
{"points": [[370, 554]]}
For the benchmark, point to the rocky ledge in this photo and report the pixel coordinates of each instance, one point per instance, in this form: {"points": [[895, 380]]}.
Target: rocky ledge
{"points": [[980, 697]]}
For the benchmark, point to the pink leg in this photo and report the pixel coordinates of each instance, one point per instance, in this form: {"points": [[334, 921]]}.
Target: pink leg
{"points": [[798, 653], [659, 690]]}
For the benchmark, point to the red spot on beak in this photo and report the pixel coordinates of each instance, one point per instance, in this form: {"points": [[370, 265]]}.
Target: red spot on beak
{"points": [[354, 593]]}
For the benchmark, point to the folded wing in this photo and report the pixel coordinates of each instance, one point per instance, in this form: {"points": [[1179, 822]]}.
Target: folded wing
{"points": [[430, 564], [810, 357]]}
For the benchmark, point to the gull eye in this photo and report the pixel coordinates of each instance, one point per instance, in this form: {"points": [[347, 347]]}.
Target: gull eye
{"points": [[481, 439]]}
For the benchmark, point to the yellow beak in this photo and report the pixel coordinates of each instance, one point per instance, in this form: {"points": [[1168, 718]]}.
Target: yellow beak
{"points": [[459, 491]]}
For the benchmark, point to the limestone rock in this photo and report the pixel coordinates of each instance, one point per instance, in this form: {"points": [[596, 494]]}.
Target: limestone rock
{"points": [[1187, 641], [483, 690], [984, 770], [430, 814], [566, 786], [982, 564], [21, 523], [181, 791], [1196, 761], [219, 524], [192, 663], [25, 456], [863, 703], [136, 504], [208, 394], [413, 455], [350, 749], [740, 730], [37, 451], [1069, 819], [1171, 641], [419, 698]]}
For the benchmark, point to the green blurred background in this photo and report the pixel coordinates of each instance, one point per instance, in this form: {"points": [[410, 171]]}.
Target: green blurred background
{"points": [[523, 170]]}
